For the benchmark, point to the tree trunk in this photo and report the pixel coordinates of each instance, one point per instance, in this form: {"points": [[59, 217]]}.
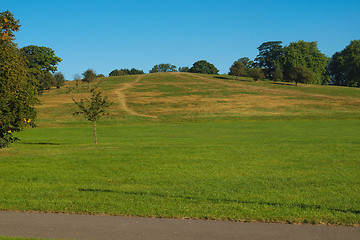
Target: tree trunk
{"points": [[95, 137]]}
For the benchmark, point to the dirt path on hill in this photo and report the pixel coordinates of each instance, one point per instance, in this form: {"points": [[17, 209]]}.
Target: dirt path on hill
{"points": [[122, 98], [92, 227]]}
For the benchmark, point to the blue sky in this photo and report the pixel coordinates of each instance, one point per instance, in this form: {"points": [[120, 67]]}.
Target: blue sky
{"points": [[106, 35]]}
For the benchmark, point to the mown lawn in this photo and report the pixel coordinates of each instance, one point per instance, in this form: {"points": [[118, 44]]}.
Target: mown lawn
{"points": [[298, 171]]}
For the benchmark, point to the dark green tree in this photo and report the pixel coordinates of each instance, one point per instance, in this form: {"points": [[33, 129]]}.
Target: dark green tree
{"points": [[17, 92], [41, 58], [241, 67], [344, 67], [203, 67], [59, 79], [269, 57], [135, 71], [125, 71], [301, 74], [184, 69], [256, 73], [93, 107], [309, 57], [163, 67], [89, 76], [42, 63], [278, 74], [117, 72], [238, 69]]}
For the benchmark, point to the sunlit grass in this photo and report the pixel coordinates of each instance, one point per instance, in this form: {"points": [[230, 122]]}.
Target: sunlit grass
{"points": [[273, 171], [219, 148]]}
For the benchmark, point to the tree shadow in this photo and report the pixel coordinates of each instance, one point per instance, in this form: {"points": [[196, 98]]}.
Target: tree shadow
{"points": [[284, 83], [40, 143], [234, 79], [223, 200]]}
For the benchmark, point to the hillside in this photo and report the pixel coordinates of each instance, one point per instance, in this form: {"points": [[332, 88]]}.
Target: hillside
{"points": [[193, 146], [195, 97]]}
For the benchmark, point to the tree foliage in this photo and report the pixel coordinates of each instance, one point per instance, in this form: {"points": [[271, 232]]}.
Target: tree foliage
{"points": [[17, 93], [269, 57], [256, 73], [308, 57], [203, 67], [241, 67], [163, 67], [184, 69], [125, 71], [41, 58], [93, 107], [301, 74], [42, 63], [344, 66], [59, 79], [8, 25], [89, 76]]}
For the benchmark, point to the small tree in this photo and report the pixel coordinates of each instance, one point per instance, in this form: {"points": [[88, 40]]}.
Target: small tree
{"points": [[59, 79], [237, 69], [89, 76], [93, 107]]}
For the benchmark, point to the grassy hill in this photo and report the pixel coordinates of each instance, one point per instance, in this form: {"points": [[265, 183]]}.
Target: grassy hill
{"points": [[184, 145], [179, 97]]}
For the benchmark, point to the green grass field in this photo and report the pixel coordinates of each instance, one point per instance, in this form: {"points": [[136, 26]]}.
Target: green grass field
{"points": [[246, 161]]}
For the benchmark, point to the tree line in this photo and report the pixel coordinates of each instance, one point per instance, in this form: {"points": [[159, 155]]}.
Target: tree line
{"points": [[303, 62]]}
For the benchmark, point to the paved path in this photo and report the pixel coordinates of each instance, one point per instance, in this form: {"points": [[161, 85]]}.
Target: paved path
{"points": [[66, 226]]}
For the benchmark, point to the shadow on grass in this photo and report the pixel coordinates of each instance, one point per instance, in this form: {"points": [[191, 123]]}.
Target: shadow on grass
{"points": [[284, 83], [222, 200], [40, 143], [234, 79]]}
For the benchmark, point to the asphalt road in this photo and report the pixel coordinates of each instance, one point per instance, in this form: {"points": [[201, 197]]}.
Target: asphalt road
{"points": [[67, 226]]}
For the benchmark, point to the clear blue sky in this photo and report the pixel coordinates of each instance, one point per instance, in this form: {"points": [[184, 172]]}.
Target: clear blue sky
{"points": [[106, 35]]}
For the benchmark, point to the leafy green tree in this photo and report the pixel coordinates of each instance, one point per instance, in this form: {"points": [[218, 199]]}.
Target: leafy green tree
{"points": [[89, 76], [135, 71], [42, 62], [301, 74], [41, 58], [269, 57], [125, 71], [204, 67], [256, 73], [278, 74], [93, 107], [344, 66], [17, 92], [59, 79], [184, 69], [241, 67], [117, 72], [237, 69], [163, 67], [309, 57]]}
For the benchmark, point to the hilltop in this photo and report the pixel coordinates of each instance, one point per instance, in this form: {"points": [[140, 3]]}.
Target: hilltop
{"points": [[196, 97]]}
